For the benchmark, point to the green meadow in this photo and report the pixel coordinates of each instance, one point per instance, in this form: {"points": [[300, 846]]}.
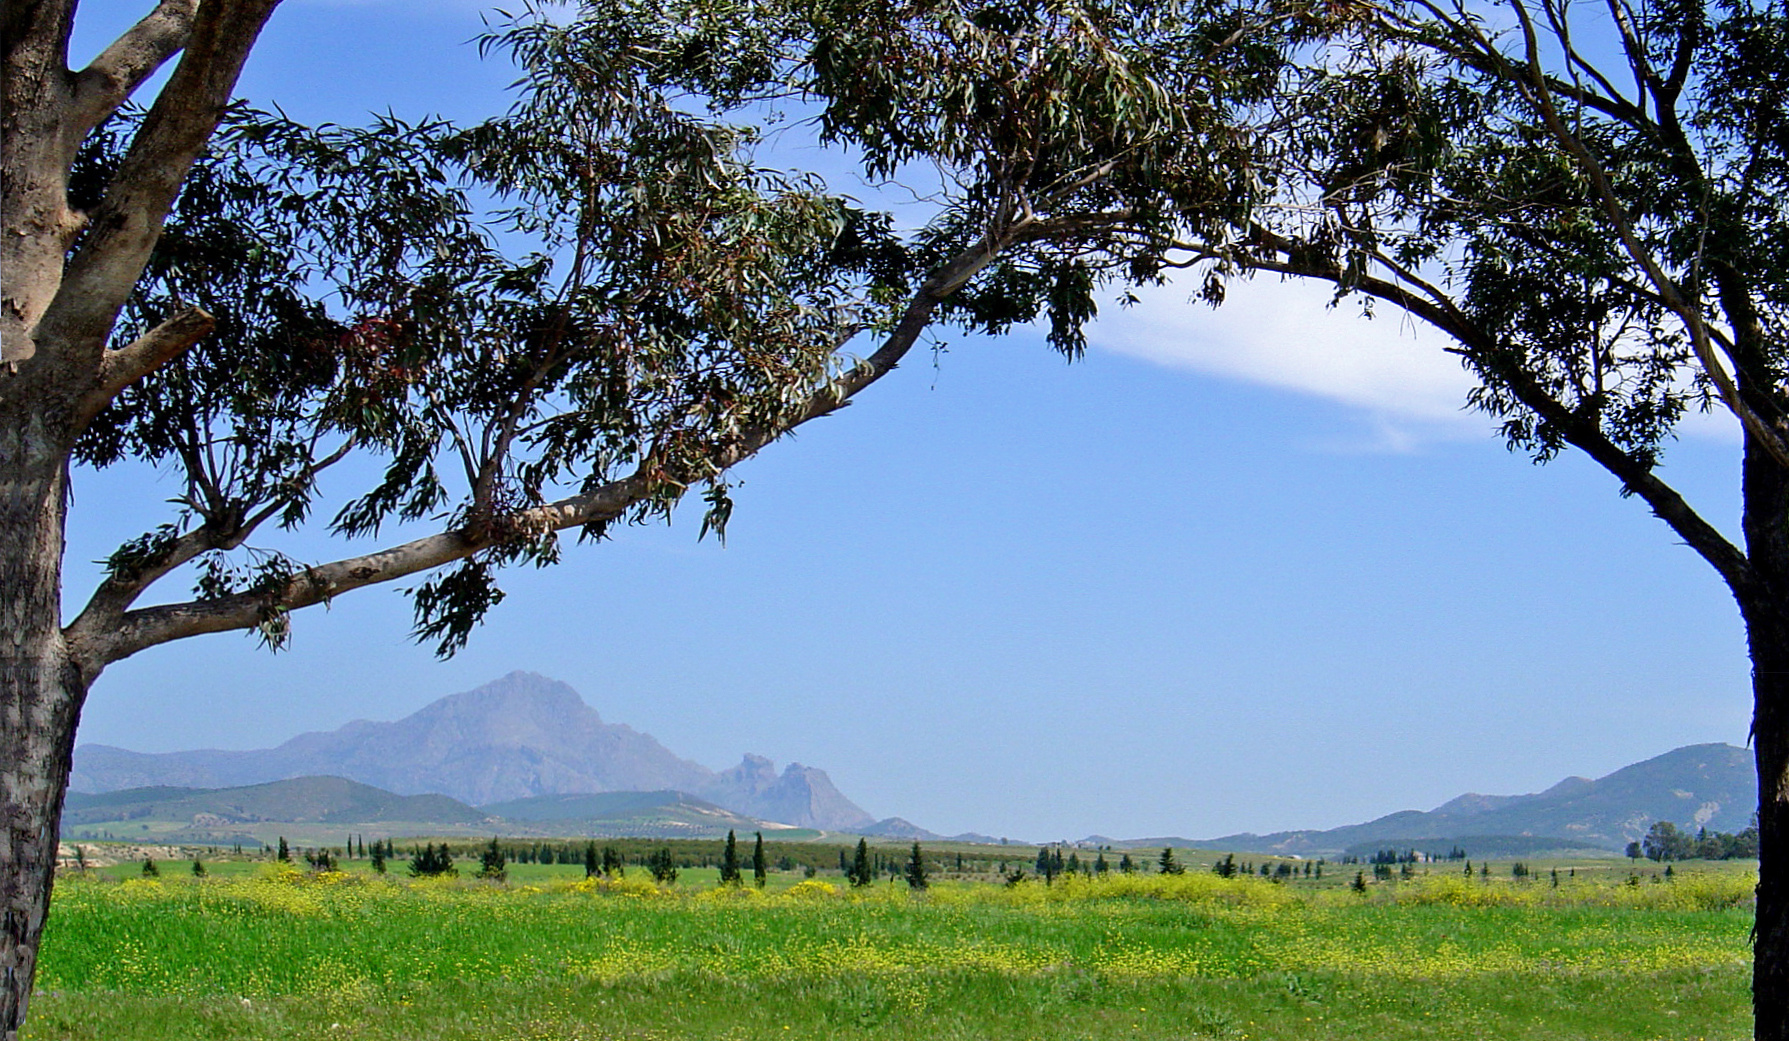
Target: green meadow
{"points": [[264, 951]]}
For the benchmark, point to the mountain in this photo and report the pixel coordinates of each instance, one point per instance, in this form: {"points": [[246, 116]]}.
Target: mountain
{"points": [[304, 799], [801, 795], [898, 828], [1712, 786], [520, 736]]}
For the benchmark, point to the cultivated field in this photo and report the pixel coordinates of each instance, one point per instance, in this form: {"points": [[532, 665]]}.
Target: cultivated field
{"points": [[275, 953]]}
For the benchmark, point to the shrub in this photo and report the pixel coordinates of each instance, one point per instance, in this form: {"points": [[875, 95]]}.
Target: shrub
{"points": [[432, 863]]}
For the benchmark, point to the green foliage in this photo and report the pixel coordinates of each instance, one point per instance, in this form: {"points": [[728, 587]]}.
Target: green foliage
{"points": [[432, 861], [491, 864], [1167, 864], [918, 878], [861, 874], [760, 867], [657, 300], [150, 870], [730, 862], [1664, 842], [662, 866]]}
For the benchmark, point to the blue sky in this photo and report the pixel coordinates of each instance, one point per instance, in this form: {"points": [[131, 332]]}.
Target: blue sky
{"points": [[1242, 570]]}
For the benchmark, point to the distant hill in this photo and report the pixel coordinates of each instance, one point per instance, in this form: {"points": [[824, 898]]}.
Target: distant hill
{"points": [[515, 738], [1713, 786], [899, 828], [646, 814], [299, 800], [248, 813]]}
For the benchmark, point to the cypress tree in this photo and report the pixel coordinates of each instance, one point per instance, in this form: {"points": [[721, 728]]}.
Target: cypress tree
{"points": [[591, 865], [378, 857], [916, 869], [730, 861], [860, 874], [612, 864], [1127, 865], [1100, 866], [198, 868], [663, 868], [491, 864], [760, 870], [285, 851], [430, 862]]}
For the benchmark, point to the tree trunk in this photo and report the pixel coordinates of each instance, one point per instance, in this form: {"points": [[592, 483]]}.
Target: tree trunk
{"points": [[1766, 612], [41, 690], [1770, 741]]}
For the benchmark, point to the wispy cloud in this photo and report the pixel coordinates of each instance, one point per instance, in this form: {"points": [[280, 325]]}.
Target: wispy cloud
{"points": [[1285, 334]]}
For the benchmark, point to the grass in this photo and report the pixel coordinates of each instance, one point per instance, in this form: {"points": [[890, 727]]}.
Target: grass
{"points": [[275, 954]]}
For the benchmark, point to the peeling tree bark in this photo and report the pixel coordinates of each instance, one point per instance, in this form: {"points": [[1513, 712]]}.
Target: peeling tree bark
{"points": [[40, 698]]}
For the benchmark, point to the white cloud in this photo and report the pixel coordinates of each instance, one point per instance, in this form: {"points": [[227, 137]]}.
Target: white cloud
{"points": [[1285, 335]]}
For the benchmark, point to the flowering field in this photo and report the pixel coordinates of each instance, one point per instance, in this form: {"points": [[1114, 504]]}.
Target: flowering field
{"points": [[289, 955]]}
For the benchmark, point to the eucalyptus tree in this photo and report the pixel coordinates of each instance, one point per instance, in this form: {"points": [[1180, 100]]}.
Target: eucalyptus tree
{"points": [[1588, 200], [560, 319]]}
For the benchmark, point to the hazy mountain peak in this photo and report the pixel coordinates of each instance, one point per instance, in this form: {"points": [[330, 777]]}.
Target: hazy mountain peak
{"points": [[516, 737], [755, 770], [520, 694]]}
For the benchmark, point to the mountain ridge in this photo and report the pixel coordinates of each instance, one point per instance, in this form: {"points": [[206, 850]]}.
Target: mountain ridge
{"points": [[1694, 786], [519, 736]]}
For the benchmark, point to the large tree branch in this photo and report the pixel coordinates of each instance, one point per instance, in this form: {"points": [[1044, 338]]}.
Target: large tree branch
{"points": [[128, 221], [1688, 311], [121, 68], [128, 580], [1582, 432], [149, 352], [103, 636]]}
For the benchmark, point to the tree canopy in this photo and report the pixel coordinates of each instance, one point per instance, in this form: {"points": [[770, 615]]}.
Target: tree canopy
{"points": [[578, 312]]}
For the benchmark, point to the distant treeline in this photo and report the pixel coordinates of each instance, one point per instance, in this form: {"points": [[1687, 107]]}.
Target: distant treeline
{"points": [[698, 853], [1462, 847], [1665, 841]]}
